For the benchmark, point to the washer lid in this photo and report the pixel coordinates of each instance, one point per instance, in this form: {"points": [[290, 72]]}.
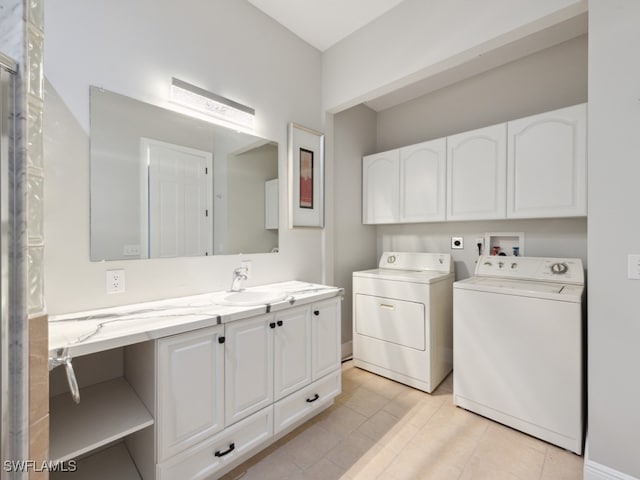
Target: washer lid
{"points": [[526, 288], [415, 276]]}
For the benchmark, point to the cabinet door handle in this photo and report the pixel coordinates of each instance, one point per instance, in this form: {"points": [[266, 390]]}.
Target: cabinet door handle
{"points": [[231, 448], [316, 312], [315, 397], [272, 325], [280, 322], [221, 339]]}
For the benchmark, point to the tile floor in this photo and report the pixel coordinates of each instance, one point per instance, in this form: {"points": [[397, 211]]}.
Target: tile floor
{"points": [[379, 429]]}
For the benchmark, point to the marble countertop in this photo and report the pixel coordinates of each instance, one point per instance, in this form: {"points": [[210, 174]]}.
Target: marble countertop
{"points": [[93, 331]]}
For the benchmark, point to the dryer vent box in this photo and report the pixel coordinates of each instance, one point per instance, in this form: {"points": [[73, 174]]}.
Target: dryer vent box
{"points": [[508, 243]]}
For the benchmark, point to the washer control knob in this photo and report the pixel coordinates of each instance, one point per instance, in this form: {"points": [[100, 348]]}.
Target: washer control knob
{"points": [[488, 264], [514, 265], [391, 259], [500, 264], [559, 268]]}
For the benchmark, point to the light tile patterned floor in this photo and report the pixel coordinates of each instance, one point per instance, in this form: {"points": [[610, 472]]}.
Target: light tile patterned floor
{"points": [[382, 429]]}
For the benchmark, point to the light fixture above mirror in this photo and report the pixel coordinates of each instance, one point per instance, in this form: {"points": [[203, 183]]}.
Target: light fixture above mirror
{"points": [[210, 104]]}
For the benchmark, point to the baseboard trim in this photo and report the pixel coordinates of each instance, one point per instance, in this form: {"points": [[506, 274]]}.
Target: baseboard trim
{"points": [[347, 349], [596, 471]]}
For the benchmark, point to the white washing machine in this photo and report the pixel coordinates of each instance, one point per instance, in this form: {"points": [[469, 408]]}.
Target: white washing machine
{"points": [[518, 346], [402, 318]]}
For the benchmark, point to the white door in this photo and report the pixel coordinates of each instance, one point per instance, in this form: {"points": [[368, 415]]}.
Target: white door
{"points": [[248, 366], [476, 174], [326, 335], [380, 198], [190, 377], [292, 351], [180, 199], [547, 164], [422, 181]]}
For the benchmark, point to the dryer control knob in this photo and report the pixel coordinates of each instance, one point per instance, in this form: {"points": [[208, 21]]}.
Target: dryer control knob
{"points": [[559, 268]]}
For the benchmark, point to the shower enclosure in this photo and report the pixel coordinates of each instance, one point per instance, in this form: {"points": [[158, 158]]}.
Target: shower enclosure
{"points": [[12, 368]]}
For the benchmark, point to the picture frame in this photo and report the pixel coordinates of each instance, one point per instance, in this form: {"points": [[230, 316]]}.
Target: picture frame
{"points": [[305, 152]]}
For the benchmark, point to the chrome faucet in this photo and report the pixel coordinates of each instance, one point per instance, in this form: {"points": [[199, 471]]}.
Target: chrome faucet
{"points": [[239, 274]]}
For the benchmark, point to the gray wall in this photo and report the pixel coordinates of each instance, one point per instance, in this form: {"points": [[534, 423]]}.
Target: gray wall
{"points": [[614, 232], [355, 244], [552, 78]]}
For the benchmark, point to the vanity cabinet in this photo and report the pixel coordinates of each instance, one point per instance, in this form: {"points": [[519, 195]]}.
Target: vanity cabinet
{"points": [[248, 367], [547, 164], [279, 369], [195, 398], [292, 351], [190, 400], [405, 185], [476, 174]]}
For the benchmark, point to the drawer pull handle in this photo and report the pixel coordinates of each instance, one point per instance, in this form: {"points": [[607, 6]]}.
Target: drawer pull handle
{"points": [[280, 323], [231, 448], [272, 325], [315, 397], [386, 305]]}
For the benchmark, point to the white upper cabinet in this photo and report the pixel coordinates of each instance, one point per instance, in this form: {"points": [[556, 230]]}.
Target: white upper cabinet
{"points": [[547, 164], [422, 181], [271, 204], [380, 187], [405, 185], [476, 174]]}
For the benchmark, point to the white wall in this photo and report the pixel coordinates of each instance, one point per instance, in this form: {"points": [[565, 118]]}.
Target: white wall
{"points": [[419, 39], [614, 231], [134, 48], [355, 244]]}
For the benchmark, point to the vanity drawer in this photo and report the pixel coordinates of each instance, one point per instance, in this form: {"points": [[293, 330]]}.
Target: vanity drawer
{"points": [[203, 461], [298, 405]]}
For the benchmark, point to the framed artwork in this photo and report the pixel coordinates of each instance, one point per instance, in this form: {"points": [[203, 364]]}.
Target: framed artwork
{"points": [[306, 177]]}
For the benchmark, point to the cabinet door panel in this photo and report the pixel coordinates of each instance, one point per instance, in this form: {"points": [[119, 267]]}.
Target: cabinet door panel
{"points": [[190, 389], [547, 164], [380, 187], [292, 351], [326, 337], [422, 181], [476, 174], [248, 367]]}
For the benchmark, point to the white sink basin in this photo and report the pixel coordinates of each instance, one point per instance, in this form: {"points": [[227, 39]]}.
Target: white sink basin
{"points": [[248, 298]]}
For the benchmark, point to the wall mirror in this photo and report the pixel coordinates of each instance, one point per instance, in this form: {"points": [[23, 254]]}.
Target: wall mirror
{"points": [[164, 184]]}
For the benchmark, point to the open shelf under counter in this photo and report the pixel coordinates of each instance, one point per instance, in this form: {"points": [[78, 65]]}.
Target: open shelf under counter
{"points": [[108, 464], [107, 411]]}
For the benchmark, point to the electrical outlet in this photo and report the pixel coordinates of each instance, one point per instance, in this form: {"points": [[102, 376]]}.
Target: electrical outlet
{"points": [[246, 264], [479, 243], [457, 242], [115, 281], [633, 267]]}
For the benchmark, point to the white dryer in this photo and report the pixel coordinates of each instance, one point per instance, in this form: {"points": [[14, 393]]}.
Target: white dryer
{"points": [[518, 346], [402, 318]]}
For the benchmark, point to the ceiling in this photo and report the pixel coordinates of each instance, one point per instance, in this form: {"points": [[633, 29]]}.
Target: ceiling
{"points": [[323, 23]]}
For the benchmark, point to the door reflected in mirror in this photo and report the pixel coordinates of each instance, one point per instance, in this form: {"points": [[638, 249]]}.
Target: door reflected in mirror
{"points": [[164, 184]]}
